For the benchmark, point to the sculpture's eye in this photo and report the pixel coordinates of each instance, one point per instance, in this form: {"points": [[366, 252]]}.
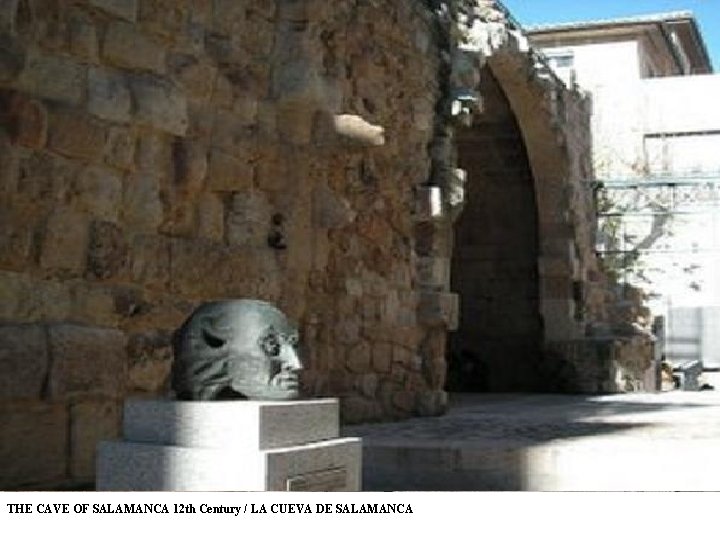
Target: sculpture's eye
{"points": [[211, 341], [293, 340], [270, 345]]}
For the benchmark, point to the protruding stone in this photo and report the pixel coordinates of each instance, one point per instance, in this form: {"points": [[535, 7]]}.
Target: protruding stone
{"points": [[355, 130], [428, 203]]}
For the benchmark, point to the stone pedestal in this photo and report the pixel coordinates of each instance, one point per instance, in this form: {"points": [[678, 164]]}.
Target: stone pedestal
{"points": [[230, 446]]}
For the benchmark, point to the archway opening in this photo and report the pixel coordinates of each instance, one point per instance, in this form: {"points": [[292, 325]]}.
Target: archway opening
{"points": [[497, 347]]}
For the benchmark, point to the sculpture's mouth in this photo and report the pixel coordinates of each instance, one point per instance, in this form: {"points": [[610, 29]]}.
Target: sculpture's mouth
{"points": [[288, 381]]}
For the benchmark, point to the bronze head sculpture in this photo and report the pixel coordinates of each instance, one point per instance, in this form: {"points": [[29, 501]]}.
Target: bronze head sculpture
{"points": [[236, 349]]}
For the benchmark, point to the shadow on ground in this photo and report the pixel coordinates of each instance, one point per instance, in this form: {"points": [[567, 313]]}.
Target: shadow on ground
{"points": [[546, 442]]}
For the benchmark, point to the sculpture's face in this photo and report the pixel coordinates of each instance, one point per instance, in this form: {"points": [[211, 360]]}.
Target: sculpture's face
{"points": [[244, 346]]}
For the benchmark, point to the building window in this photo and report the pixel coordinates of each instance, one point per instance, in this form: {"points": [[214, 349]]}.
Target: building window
{"points": [[564, 61]]}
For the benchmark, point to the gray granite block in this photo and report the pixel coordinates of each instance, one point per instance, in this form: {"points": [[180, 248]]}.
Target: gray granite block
{"points": [[252, 425], [322, 466]]}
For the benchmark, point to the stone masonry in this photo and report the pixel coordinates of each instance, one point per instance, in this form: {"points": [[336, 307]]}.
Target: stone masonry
{"points": [[156, 154]]}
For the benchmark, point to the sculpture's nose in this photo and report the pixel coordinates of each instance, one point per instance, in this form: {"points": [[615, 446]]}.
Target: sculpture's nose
{"points": [[290, 359]]}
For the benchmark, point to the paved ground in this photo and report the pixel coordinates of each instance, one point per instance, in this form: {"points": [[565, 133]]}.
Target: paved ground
{"points": [[668, 441]]}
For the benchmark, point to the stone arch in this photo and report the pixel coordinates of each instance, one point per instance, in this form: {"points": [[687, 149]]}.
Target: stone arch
{"points": [[497, 346], [542, 120], [552, 121]]}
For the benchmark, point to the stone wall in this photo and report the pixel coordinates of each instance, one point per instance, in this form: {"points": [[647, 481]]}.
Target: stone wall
{"points": [[156, 154]]}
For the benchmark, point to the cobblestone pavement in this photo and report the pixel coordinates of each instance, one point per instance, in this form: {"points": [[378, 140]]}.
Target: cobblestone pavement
{"points": [[549, 442]]}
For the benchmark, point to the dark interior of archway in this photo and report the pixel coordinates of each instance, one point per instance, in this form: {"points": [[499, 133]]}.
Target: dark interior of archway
{"points": [[494, 266]]}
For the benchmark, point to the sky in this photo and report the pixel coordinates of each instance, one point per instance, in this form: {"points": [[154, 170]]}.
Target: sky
{"points": [[707, 13]]}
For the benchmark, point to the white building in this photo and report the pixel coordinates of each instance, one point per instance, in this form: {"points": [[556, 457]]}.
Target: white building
{"points": [[656, 148]]}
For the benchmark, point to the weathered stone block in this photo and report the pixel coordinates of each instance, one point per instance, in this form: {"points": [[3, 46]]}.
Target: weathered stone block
{"points": [[87, 361], [83, 38], [359, 358], [12, 57], [150, 355], [14, 288], [54, 77], [127, 47], [8, 12], [16, 239], [228, 17], [171, 18], [23, 361], [93, 304], [433, 272], [439, 309], [29, 432], [64, 246], [210, 217], [29, 122], [124, 9], [99, 193], [248, 222], [90, 423], [227, 173], [151, 261], [108, 95], [190, 159], [160, 104], [108, 251], [76, 136], [235, 271], [330, 210], [432, 403], [155, 154], [142, 207], [196, 77], [382, 357], [120, 149]]}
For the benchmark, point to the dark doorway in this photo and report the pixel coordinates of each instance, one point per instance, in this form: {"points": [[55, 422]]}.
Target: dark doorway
{"points": [[494, 266]]}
